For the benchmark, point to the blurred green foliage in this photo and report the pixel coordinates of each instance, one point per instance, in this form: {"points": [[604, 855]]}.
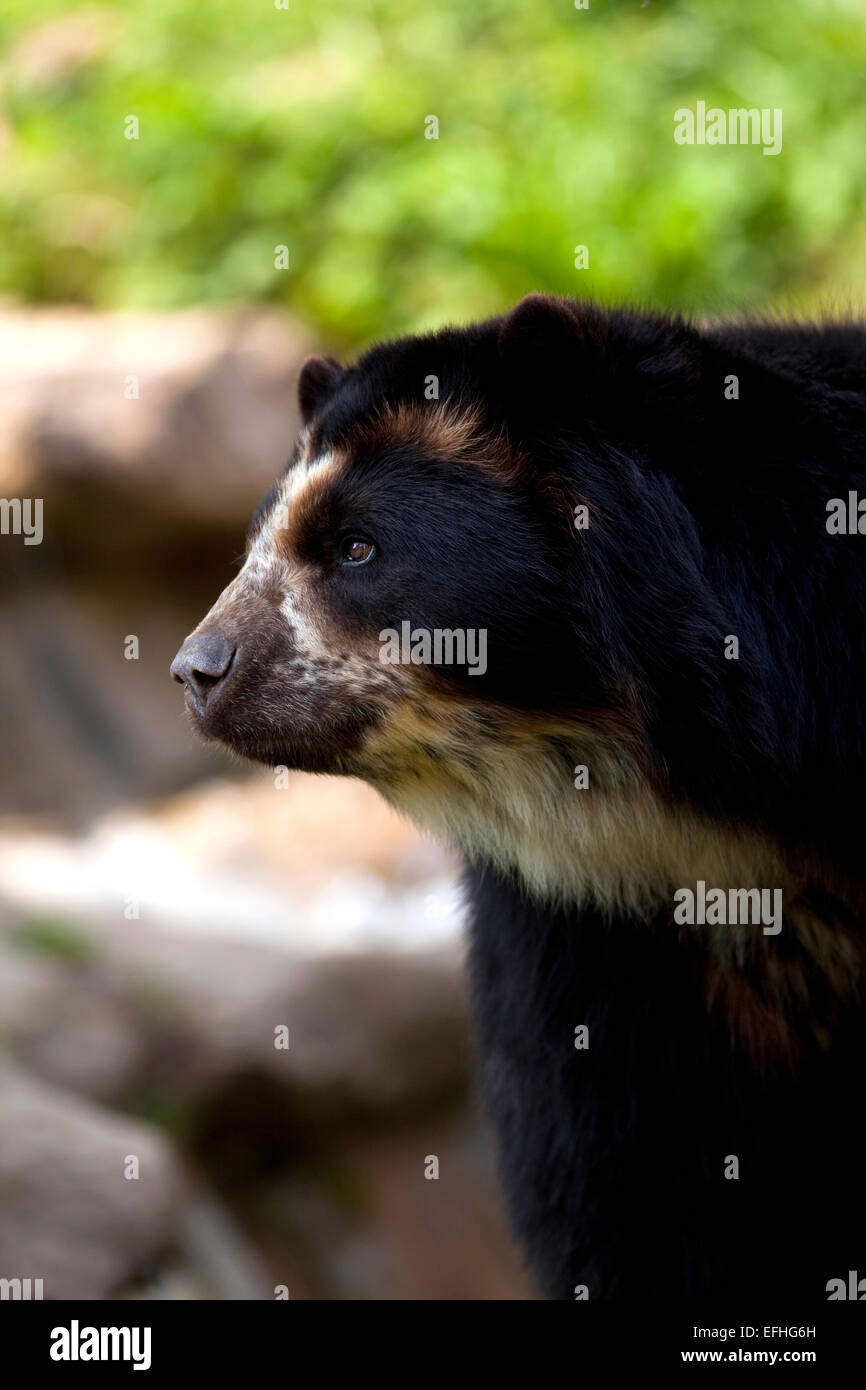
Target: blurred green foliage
{"points": [[262, 126]]}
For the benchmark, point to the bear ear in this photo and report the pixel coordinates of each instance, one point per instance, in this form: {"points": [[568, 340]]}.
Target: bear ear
{"points": [[318, 376], [551, 351], [542, 322]]}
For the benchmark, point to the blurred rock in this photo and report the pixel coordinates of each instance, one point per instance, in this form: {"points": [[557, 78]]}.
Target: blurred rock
{"points": [[253, 908], [212, 422], [162, 949], [58, 1023], [87, 728], [311, 915], [367, 1224], [373, 1033], [69, 1216], [178, 1020]]}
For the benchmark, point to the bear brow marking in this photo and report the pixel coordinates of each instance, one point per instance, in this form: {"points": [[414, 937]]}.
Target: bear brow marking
{"points": [[441, 429]]}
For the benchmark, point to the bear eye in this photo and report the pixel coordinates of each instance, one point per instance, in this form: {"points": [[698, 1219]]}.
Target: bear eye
{"points": [[356, 551]]}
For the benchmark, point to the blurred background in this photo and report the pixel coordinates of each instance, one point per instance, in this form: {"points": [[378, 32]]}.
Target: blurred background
{"points": [[168, 919]]}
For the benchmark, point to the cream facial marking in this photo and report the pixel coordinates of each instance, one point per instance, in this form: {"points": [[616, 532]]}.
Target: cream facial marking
{"points": [[307, 475], [264, 554], [267, 567]]}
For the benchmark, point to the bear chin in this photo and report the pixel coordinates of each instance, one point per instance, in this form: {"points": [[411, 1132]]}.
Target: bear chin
{"points": [[296, 751]]}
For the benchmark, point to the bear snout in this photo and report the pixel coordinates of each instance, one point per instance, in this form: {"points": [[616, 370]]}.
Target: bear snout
{"points": [[202, 664]]}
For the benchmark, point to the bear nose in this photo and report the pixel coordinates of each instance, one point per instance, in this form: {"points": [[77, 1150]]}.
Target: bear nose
{"points": [[202, 661]]}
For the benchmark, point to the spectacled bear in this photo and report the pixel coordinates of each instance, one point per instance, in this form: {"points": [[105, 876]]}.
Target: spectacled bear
{"points": [[655, 526]]}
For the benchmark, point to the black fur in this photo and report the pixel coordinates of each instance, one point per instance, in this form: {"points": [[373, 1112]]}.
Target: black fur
{"points": [[612, 1158]]}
